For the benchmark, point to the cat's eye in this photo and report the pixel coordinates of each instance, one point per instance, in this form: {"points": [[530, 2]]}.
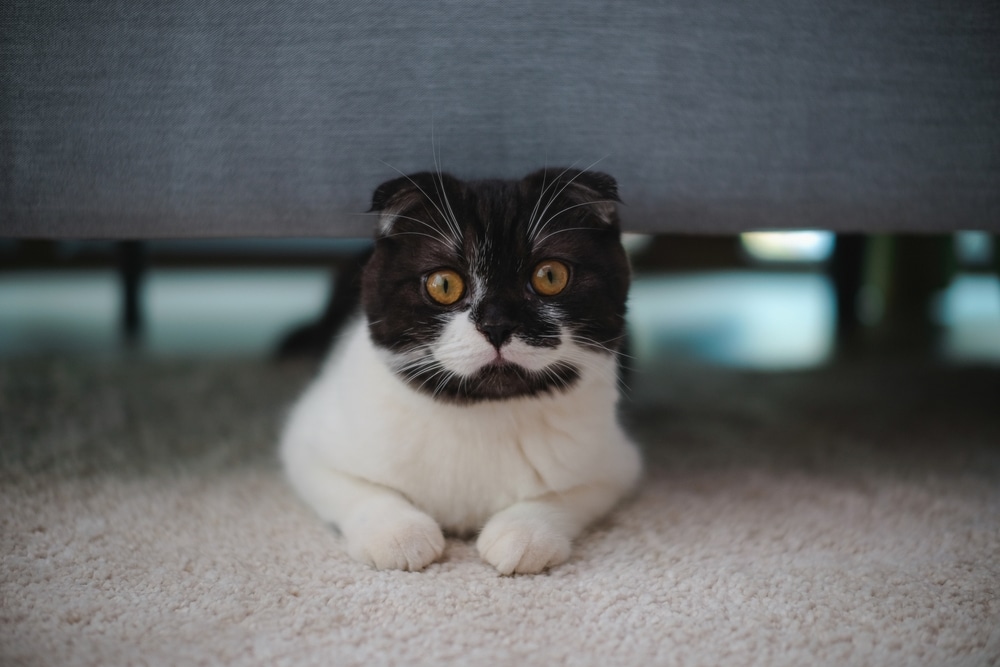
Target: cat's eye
{"points": [[550, 277], [445, 286]]}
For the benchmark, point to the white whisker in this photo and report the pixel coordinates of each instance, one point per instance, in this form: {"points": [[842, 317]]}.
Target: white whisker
{"points": [[433, 238], [452, 222], [533, 221], [561, 190], [590, 342], [571, 229], [426, 196], [448, 241]]}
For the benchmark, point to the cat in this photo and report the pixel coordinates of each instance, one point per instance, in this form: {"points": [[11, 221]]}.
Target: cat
{"points": [[478, 391]]}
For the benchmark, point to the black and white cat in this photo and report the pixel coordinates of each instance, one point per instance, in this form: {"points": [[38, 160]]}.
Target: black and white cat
{"points": [[479, 390]]}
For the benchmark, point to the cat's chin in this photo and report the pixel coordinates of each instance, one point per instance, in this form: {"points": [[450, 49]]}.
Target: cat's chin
{"points": [[497, 380]]}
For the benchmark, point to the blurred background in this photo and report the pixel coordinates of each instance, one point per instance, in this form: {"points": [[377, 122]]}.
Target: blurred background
{"points": [[762, 301]]}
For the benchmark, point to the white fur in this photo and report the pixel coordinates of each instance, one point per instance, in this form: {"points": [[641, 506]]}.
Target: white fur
{"points": [[463, 350], [392, 466]]}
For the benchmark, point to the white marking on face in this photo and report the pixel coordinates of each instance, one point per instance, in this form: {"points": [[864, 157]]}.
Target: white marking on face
{"points": [[477, 290], [463, 349], [529, 356], [553, 315], [385, 223]]}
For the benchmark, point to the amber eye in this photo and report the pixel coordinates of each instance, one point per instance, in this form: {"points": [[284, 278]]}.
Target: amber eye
{"points": [[445, 286], [550, 277]]}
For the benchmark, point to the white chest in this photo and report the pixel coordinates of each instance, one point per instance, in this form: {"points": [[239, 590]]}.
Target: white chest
{"points": [[459, 463]]}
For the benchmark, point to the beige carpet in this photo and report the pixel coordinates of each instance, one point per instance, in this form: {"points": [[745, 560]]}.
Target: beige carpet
{"points": [[842, 517]]}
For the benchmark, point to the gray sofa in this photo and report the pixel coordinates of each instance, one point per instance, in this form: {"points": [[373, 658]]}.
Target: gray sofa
{"points": [[214, 118]]}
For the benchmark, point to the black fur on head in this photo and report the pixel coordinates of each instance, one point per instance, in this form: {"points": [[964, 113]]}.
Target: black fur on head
{"points": [[494, 233]]}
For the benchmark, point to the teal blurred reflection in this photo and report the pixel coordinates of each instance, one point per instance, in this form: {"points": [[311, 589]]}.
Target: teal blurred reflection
{"points": [[744, 319]]}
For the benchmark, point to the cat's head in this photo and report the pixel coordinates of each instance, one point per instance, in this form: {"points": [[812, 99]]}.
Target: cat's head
{"points": [[490, 290]]}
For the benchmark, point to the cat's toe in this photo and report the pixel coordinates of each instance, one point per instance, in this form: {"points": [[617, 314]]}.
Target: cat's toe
{"points": [[521, 546], [408, 543]]}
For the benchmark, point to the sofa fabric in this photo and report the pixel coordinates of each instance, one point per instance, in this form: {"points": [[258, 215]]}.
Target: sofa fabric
{"points": [[209, 118]]}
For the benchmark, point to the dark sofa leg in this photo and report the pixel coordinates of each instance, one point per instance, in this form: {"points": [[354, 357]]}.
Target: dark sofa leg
{"points": [[996, 255], [131, 266], [847, 270], [922, 266]]}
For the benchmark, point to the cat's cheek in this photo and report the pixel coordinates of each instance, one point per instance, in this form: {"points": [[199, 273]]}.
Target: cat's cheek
{"points": [[462, 349]]}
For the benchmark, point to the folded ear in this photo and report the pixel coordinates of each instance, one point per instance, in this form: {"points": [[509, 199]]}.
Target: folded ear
{"points": [[593, 187], [395, 197], [389, 190]]}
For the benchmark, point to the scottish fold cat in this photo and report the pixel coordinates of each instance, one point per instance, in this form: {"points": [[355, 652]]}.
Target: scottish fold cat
{"points": [[477, 392]]}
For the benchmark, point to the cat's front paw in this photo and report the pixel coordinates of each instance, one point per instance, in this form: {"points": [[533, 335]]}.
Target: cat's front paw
{"points": [[520, 545], [409, 541]]}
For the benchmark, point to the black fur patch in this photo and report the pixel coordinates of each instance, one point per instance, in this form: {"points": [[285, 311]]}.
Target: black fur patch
{"points": [[497, 231]]}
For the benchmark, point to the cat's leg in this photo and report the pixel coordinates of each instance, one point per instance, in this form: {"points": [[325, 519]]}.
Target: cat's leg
{"points": [[535, 534], [381, 527]]}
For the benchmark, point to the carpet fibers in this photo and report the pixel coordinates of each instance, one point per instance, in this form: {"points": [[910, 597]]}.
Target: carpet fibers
{"points": [[846, 516]]}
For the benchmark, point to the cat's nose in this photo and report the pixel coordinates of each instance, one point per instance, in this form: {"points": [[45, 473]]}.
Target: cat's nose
{"points": [[498, 333]]}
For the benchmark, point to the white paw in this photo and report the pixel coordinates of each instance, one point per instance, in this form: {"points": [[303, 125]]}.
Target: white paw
{"points": [[521, 545], [404, 541]]}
